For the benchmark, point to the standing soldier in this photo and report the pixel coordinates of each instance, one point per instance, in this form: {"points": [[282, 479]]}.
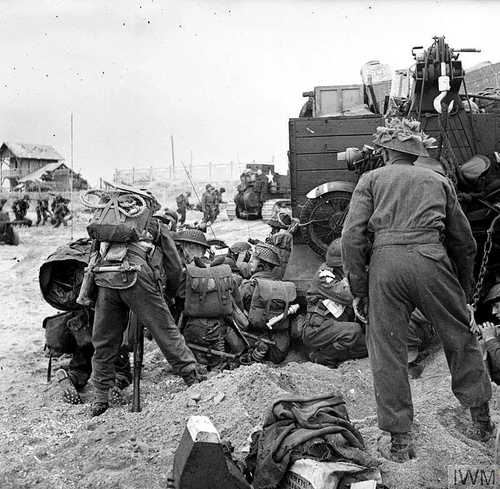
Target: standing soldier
{"points": [[155, 264], [61, 210], [42, 211], [207, 203], [411, 213], [218, 201], [183, 205]]}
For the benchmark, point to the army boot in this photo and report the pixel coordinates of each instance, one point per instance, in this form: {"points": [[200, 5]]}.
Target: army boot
{"points": [[69, 392], [100, 403], [198, 374], [481, 422], [402, 448]]}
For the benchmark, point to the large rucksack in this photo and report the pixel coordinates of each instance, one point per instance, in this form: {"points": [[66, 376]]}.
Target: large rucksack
{"points": [[61, 274], [209, 291], [121, 215], [270, 298]]}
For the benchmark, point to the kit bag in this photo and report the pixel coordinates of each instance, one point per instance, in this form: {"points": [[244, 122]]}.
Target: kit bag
{"points": [[120, 217], [270, 299], [209, 291]]}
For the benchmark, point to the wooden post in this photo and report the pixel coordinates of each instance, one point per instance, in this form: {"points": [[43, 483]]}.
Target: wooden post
{"points": [[210, 171], [133, 175]]}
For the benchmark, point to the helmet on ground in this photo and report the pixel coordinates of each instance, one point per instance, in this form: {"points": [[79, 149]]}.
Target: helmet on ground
{"points": [[334, 254], [493, 294], [267, 253], [404, 135], [192, 236]]}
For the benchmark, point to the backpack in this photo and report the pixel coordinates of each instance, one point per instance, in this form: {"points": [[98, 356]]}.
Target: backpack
{"points": [[270, 298], [66, 331], [119, 216], [209, 291]]}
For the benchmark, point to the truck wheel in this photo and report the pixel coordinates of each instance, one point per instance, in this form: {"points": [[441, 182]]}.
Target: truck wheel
{"points": [[326, 215]]}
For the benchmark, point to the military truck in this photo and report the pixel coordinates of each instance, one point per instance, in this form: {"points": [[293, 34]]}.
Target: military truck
{"points": [[261, 193], [322, 180]]}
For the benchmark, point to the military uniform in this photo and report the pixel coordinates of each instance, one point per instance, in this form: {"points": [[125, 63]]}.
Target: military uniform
{"points": [[422, 255], [142, 294], [42, 211], [268, 253], [61, 210], [331, 334], [208, 204], [7, 232], [20, 208], [182, 202]]}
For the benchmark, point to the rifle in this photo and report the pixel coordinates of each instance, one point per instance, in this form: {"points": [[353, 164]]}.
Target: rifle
{"points": [[85, 297], [138, 332], [211, 351]]}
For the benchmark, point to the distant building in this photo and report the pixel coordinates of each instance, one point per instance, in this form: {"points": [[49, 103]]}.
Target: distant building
{"points": [[36, 167]]}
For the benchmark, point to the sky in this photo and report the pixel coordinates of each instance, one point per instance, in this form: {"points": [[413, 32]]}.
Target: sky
{"points": [[222, 77]]}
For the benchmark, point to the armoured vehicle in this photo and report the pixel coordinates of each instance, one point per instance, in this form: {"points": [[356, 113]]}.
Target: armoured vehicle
{"points": [[260, 194], [434, 91]]}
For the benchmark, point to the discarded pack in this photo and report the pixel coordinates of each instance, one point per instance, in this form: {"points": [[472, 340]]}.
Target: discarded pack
{"points": [[120, 215], [209, 291], [270, 299], [61, 275]]}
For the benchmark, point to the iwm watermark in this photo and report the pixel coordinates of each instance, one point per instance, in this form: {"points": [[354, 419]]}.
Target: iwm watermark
{"points": [[473, 476]]}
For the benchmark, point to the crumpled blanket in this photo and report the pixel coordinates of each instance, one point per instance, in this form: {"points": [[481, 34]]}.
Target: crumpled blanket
{"points": [[304, 427]]}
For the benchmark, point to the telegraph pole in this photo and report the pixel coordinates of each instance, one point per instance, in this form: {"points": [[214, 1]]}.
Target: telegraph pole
{"points": [[173, 156], [71, 180]]}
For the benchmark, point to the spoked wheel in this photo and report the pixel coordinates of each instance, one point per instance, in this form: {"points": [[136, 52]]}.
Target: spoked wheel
{"points": [[326, 216]]}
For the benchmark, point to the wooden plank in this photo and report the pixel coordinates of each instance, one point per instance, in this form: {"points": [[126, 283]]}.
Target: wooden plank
{"points": [[335, 126], [330, 144], [324, 161]]}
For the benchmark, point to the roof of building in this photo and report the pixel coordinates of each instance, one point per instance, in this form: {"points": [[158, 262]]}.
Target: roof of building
{"points": [[37, 175], [33, 151]]}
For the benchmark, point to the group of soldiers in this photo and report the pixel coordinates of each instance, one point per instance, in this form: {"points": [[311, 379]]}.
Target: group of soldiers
{"points": [[398, 279], [209, 204]]}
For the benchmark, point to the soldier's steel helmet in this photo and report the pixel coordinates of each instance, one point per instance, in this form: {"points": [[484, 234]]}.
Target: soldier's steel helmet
{"points": [[493, 294], [334, 254], [192, 236], [267, 253], [281, 220], [474, 168], [168, 217], [26, 197], [404, 135], [239, 247]]}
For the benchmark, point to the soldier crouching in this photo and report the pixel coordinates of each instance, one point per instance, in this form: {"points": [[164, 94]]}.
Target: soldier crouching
{"points": [[330, 331]]}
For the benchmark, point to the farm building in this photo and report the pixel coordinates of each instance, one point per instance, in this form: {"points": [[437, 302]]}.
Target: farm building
{"points": [[36, 167]]}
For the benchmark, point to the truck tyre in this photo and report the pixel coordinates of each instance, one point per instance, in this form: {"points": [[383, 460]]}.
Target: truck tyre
{"points": [[326, 215]]}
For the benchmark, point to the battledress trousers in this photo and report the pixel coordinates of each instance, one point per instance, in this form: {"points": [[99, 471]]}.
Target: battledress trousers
{"points": [[409, 211], [146, 300]]}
